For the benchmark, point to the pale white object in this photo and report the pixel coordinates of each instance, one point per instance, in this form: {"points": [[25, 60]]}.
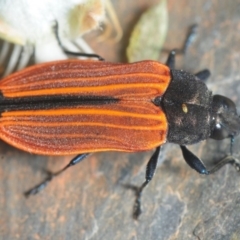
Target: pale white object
{"points": [[30, 22]]}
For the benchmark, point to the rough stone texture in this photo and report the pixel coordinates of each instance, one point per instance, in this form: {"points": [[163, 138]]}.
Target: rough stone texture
{"points": [[90, 202]]}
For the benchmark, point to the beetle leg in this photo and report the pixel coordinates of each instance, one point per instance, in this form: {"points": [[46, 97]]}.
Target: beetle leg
{"points": [[43, 184], [171, 59], [193, 161], [203, 75], [191, 35], [228, 159], [150, 170], [77, 54], [190, 38]]}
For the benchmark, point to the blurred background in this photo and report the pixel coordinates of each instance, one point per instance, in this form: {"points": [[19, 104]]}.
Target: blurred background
{"points": [[89, 201]]}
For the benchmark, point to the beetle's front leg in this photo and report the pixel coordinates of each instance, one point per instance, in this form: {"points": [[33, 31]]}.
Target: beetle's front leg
{"points": [[196, 163], [227, 160], [193, 161]]}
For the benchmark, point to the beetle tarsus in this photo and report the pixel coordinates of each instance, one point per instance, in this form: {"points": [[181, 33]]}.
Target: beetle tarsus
{"points": [[190, 38], [231, 145], [137, 210], [226, 160], [236, 164], [39, 187], [88, 55], [43, 184]]}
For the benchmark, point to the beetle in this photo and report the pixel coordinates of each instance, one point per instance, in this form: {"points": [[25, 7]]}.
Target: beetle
{"points": [[84, 106]]}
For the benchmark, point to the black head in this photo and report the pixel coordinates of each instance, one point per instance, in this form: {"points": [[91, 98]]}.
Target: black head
{"points": [[225, 120]]}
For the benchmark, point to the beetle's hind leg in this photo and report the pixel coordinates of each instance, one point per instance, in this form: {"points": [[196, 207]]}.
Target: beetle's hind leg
{"points": [[43, 184], [77, 54], [150, 170]]}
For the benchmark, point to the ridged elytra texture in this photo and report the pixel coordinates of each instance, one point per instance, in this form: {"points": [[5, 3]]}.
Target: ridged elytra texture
{"points": [[76, 106]]}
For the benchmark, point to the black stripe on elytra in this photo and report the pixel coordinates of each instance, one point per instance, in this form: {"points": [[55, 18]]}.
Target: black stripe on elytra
{"points": [[52, 102]]}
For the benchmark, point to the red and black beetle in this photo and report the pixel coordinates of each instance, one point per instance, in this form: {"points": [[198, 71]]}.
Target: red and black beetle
{"points": [[78, 107]]}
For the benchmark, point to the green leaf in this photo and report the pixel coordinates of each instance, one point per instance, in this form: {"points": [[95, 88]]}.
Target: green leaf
{"points": [[149, 34]]}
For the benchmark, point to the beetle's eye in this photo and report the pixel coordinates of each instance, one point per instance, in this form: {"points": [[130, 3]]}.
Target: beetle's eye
{"points": [[225, 121], [224, 102]]}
